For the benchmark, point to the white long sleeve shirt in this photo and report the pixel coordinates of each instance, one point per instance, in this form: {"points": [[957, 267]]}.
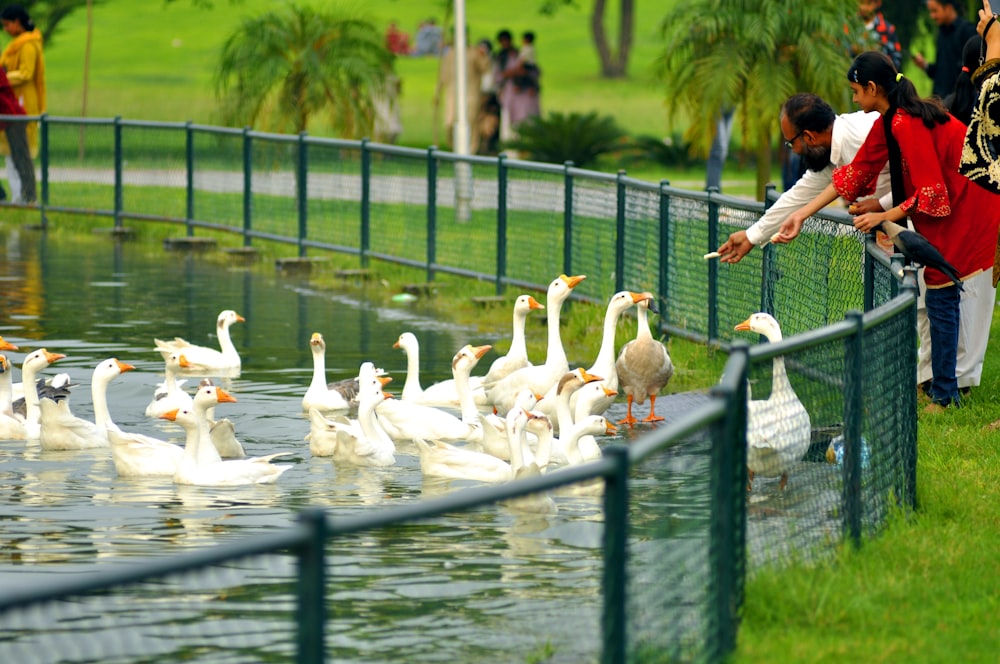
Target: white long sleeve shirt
{"points": [[849, 133]]}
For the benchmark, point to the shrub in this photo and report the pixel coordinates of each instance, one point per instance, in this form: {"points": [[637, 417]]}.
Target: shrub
{"points": [[575, 137]]}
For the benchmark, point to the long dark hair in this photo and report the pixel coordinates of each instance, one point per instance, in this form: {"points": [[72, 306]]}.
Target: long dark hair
{"points": [[876, 67], [963, 98], [19, 14]]}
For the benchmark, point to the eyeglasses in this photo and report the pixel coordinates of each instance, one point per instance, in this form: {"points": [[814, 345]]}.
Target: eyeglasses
{"points": [[791, 142]]}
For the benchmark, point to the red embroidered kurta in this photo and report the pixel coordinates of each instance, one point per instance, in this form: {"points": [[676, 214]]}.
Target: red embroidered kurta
{"points": [[956, 216]]}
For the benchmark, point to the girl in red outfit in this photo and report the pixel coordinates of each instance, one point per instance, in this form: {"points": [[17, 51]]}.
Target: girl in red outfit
{"points": [[923, 145]]}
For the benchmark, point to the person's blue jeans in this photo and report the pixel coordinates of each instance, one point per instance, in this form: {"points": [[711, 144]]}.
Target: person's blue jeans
{"points": [[943, 315]]}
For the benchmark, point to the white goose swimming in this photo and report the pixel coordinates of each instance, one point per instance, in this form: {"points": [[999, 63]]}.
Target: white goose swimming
{"points": [[201, 359], [11, 426], [360, 442], [168, 395], [644, 366], [517, 355], [778, 428], [234, 472], [591, 425], [33, 363], [443, 394], [586, 396], [61, 430], [539, 378], [221, 433], [404, 420], [321, 395]]}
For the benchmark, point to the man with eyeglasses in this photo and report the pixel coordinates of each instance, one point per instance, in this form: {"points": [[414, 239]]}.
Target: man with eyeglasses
{"points": [[824, 140]]}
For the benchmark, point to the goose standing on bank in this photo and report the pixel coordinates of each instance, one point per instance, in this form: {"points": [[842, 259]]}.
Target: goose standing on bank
{"points": [[539, 378], [778, 428], [203, 360], [644, 366]]}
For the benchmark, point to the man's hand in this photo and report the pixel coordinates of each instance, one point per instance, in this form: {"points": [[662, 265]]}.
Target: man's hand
{"points": [[790, 229], [735, 248]]}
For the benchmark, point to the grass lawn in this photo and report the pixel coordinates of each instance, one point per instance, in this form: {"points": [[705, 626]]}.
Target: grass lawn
{"points": [[925, 591]]}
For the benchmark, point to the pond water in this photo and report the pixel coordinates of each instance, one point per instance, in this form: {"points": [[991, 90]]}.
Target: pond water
{"points": [[464, 587]]}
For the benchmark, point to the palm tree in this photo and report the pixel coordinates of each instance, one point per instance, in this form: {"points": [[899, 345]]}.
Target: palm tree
{"points": [[751, 56], [281, 68]]}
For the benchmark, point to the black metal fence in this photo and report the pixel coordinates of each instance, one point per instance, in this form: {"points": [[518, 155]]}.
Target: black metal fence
{"points": [[674, 564]]}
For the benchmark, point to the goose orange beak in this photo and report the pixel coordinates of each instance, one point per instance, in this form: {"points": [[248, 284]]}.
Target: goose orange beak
{"points": [[385, 380], [6, 345], [534, 304], [223, 396], [744, 326], [53, 357], [479, 351], [588, 377], [573, 282], [610, 393], [240, 319], [170, 415], [182, 361], [123, 367], [610, 429]]}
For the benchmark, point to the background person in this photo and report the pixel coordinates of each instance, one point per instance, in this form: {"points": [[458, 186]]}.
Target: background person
{"points": [[953, 32], [22, 60]]}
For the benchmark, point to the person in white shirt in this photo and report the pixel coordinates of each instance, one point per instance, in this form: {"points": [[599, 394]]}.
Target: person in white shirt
{"points": [[824, 140]]}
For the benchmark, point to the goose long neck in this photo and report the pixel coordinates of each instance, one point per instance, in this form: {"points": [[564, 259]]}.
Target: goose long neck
{"points": [[564, 415], [226, 342], [204, 450], [555, 354], [518, 346], [319, 368], [779, 377], [466, 401], [370, 427], [6, 393], [99, 395], [514, 437], [543, 450], [604, 365], [643, 320], [29, 375], [412, 384]]}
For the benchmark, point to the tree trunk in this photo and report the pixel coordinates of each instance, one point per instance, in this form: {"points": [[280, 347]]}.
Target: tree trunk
{"points": [[625, 37], [600, 37]]}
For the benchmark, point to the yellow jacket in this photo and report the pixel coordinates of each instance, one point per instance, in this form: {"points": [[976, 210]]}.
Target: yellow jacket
{"points": [[22, 58]]}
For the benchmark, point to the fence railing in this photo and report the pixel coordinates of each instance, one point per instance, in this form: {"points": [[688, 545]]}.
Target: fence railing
{"points": [[515, 223]]}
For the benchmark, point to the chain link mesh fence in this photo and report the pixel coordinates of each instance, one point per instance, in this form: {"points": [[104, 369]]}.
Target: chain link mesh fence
{"points": [[519, 224]]}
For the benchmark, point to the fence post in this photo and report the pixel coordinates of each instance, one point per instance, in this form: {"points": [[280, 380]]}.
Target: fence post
{"points": [[869, 272], [567, 218], [311, 590], [713, 266], [303, 192], [620, 233], [43, 122], [767, 261], [727, 488], [616, 496], [118, 172], [909, 406], [896, 262], [247, 186], [189, 177], [432, 174], [366, 174], [664, 276], [853, 411], [501, 223]]}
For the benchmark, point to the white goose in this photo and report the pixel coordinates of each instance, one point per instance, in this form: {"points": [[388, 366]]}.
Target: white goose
{"points": [[168, 395], [360, 442], [234, 472], [404, 420], [517, 355], [778, 428], [202, 359], [221, 433], [539, 378], [524, 464], [61, 430], [325, 396], [443, 394], [445, 461], [32, 364], [644, 366], [586, 396], [592, 425], [604, 365], [11, 427]]}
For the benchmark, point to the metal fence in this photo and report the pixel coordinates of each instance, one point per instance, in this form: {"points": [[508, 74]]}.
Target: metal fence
{"points": [[674, 563]]}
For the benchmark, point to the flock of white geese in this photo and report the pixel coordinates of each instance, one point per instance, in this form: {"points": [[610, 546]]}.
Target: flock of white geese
{"points": [[516, 419]]}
